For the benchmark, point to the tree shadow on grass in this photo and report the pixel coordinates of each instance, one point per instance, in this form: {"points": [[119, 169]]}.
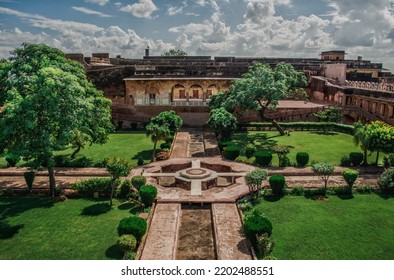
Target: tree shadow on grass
{"points": [[96, 209], [113, 252], [133, 208], [145, 155], [273, 198], [14, 206], [386, 196], [7, 231], [345, 196], [260, 140]]}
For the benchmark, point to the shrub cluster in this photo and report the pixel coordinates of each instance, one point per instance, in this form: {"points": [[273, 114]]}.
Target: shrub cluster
{"points": [[232, 152], [302, 159], [12, 160], [148, 195], [138, 181], [250, 149], [127, 243], [263, 158], [386, 181], [256, 224], [132, 225], [321, 126], [125, 188], [90, 186], [165, 145], [277, 183], [223, 144]]}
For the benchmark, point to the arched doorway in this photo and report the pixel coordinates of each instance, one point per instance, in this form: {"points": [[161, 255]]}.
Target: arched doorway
{"points": [[196, 93]]}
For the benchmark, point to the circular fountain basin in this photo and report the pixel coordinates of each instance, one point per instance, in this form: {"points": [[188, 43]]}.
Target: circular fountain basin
{"points": [[195, 173]]}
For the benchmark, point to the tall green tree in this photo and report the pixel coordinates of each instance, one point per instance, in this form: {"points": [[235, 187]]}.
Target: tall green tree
{"points": [[117, 167], [361, 138], [169, 119], [223, 122], [381, 138], [260, 89], [157, 133], [44, 98]]}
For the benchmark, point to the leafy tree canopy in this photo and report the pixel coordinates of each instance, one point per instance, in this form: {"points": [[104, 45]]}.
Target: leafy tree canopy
{"points": [[44, 99], [333, 114], [174, 52], [223, 122], [169, 119], [261, 88]]}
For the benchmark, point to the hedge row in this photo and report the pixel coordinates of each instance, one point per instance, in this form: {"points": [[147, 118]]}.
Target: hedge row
{"points": [[349, 129], [90, 186]]}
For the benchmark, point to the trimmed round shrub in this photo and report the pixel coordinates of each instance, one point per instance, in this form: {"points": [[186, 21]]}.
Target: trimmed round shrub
{"points": [[250, 149], [12, 160], [356, 158], [386, 181], [140, 161], [138, 181], [263, 158], [350, 176], [224, 144], [232, 152], [148, 195], [277, 183], [127, 243], [165, 145], [132, 225], [302, 159], [257, 224], [346, 161], [125, 188]]}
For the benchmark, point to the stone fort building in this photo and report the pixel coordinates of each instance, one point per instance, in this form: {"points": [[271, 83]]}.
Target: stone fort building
{"points": [[142, 88]]}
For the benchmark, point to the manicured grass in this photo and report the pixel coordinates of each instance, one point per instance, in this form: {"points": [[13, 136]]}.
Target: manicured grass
{"points": [[128, 145], [321, 147], [360, 228], [33, 227]]}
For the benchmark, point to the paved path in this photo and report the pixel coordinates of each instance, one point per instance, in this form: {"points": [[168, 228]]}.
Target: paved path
{"points": [[161, 241], [231, 243], [180, 147]]}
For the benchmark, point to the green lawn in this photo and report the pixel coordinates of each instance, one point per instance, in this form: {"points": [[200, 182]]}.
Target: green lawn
{"points": [[361, 228], [33, 227], [128, 145], [321, 147]]}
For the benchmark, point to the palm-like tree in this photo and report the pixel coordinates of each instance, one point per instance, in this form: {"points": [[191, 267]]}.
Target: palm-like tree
{"points": [[361, 138], [157, 133]]}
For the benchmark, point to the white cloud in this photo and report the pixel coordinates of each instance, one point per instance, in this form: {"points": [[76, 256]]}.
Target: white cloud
{"points": [[173, 10], [142, 9], [90, 12], [99, 2]]}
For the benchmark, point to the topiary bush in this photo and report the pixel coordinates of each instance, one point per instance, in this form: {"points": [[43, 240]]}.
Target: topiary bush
{"points": [[346, 161], [223, 144], [165, 145], [350, 176], [138, 181], [356, 158], [263, 158], [277, 183], [125, 188], [250, 149], [386, 181], [132, 225], [127, 243], [29, 178], [232, 152], [140, 161], [256, 224], [302, 159], [148, 195]]}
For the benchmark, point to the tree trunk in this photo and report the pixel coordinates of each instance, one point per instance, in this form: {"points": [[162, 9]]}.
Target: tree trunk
{"points": [[52, 181], [365, 160], [377, 158], [264, 118], [154, 152], [75, 152]]}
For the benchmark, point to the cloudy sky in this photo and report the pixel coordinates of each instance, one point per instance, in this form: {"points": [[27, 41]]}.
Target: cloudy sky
{"points": [[270, 28]]}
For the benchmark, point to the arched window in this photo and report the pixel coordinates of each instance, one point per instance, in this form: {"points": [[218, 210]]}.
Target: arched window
{"points": [[178, 92], [211, 90], [196, 92]]}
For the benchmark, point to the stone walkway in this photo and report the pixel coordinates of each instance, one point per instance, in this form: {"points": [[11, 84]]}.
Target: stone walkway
{"points": [[231, 243], [162, 236]]}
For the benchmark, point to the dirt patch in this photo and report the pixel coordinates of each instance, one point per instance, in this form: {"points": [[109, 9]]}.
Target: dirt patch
{"points": [[195, 239]]}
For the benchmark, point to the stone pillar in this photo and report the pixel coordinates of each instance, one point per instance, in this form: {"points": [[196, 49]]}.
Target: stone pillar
{"points": [[187, 95]]}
